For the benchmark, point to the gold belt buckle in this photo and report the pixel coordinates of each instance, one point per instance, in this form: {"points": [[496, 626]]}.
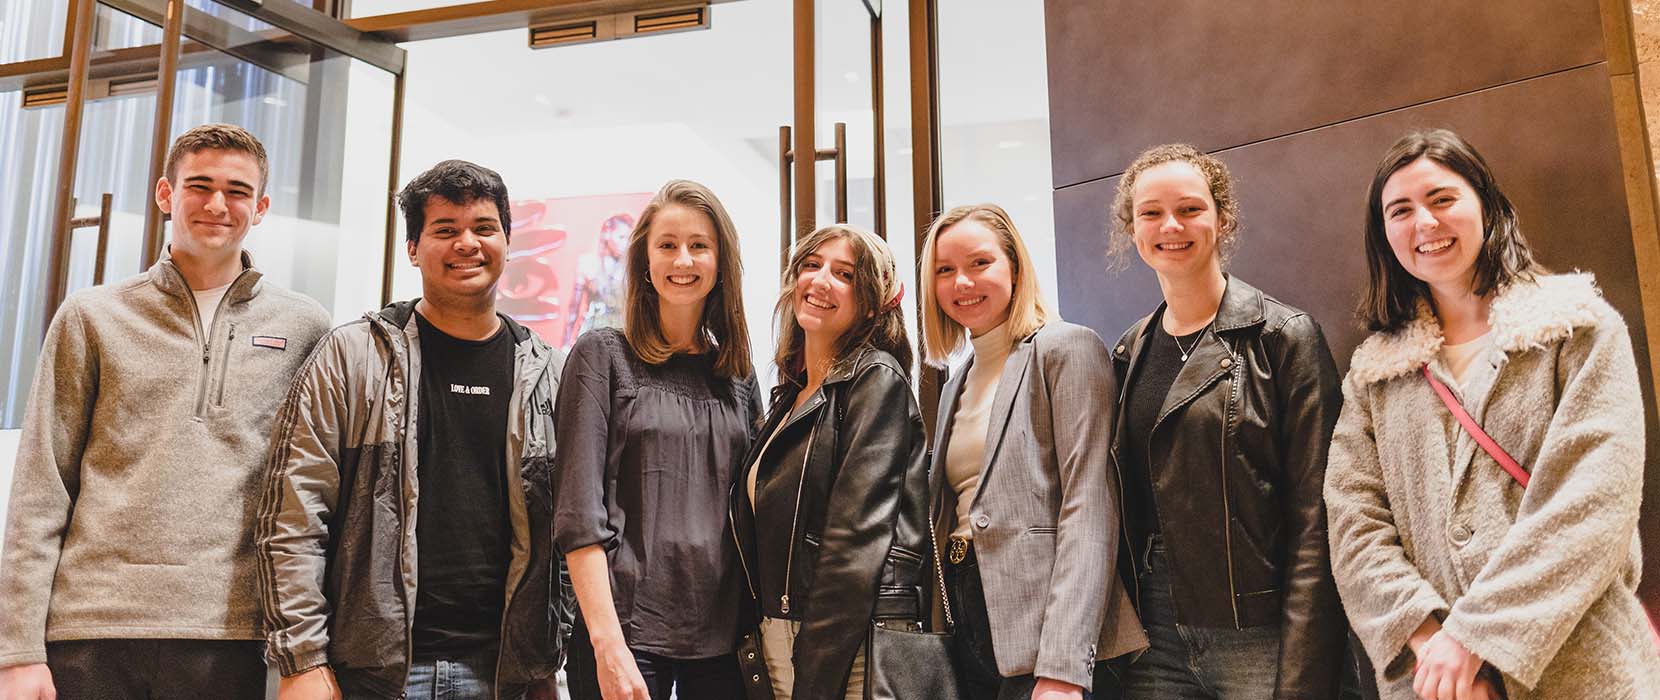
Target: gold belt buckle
{"points": [[958, 551]]}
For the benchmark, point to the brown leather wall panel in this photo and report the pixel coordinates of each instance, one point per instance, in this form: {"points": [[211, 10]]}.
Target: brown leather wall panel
{"points": [[1550, 141], [1125, 74]]}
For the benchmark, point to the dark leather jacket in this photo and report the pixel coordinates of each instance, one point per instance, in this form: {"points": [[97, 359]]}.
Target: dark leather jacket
{"points": [[840, 524], [1241, 448]]}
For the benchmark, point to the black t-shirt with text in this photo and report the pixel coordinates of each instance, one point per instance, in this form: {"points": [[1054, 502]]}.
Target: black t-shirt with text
{"points": [[462, 532]]}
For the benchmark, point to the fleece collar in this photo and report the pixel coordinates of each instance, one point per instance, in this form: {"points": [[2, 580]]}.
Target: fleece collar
{"points": [[1524, 315]]}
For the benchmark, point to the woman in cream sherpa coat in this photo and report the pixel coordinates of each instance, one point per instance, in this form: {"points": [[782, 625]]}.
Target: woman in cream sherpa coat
{"points": [[1461, 583]]}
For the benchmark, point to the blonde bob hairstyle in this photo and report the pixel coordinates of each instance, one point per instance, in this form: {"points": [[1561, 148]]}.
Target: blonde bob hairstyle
{"points": [[722, 326], [880, 322], [942, 336]]}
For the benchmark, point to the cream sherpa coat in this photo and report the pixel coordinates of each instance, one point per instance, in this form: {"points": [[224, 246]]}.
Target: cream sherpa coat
{"points": [[1540, 583]]}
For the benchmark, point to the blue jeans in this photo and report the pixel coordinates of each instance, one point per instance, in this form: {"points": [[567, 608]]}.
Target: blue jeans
{"points": [[471, 677], [1197, 663]]}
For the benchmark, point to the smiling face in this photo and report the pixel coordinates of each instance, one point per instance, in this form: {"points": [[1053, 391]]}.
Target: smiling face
{"points": [[1175, 225], [682, 256], [1433, 220], [461, 250], [973, 276], [213, 198], [825, 306]]}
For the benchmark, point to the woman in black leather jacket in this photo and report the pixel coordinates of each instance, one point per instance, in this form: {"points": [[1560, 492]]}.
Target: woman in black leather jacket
{"points": [[1229, 399], [830, 510]]}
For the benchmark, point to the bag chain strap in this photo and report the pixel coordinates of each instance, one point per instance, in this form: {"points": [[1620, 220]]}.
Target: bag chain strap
{"points": [[939, 570]]}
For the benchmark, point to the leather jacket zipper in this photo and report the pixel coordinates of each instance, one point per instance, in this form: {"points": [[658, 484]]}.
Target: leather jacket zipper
{"points": [[795, 521], [742, 563], [1227, 514]]}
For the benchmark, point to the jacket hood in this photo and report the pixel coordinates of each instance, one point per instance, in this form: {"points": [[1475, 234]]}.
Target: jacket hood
{"points": [[398, 313], [1524, 315]]}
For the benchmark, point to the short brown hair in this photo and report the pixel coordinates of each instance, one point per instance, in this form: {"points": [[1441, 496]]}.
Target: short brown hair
{"points": [[219, 137], [723, 310], [1392, 293], [1216, 175]]}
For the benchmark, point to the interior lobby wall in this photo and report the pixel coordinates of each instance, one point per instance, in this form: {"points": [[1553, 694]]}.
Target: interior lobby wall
{"points": [[1301, 100]]}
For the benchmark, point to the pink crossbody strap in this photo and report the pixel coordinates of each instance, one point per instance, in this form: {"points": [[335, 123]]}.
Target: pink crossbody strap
{"points": [[1482, 438], [1497, 453]]}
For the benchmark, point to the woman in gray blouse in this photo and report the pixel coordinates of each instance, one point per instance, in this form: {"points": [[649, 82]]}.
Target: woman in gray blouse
{"points": [[1026, 522], [652, 422]]}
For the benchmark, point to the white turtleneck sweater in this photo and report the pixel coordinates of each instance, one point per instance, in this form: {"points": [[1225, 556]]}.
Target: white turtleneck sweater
{"points": [[966, 455]]}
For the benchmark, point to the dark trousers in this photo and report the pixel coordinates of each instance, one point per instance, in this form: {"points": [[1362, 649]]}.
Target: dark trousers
{"points": [[972, 651], [715, 678], [157, 669]]}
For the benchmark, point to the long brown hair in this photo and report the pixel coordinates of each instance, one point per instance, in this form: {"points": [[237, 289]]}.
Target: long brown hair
{"points": [[723, 322], [880, 322]]}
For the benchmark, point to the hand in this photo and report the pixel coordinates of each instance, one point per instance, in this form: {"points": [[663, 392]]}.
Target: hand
{"points": [[545, 689], [27, 682], [312, 684], [619, 676], [1484, 690], [1051, 689], [1446, 670]]}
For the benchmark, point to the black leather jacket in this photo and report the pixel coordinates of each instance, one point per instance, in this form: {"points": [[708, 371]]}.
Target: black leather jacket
{"points": [[839, 529], [1241, 448]]}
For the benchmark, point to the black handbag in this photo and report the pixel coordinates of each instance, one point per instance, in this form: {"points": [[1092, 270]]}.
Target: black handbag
{"points": [[903, 661]]}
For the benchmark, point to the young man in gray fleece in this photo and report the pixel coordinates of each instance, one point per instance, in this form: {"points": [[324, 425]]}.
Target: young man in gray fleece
{"points": [[129, 566]]}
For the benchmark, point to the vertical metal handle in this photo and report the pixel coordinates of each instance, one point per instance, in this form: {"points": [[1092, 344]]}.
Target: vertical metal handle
{"points": [[103, 237], [102, 221], [839, 153], [786, 156]]}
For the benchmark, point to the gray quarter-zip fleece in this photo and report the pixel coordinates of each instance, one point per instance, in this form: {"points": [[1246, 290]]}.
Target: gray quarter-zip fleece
{"points": [[132, 506]]}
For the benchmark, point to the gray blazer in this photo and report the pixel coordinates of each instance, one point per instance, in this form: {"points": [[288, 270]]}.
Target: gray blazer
{"points": [[1046, 517]]}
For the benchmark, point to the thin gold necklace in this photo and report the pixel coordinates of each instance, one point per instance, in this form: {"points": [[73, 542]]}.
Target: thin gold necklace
{"points": [[1186, 351]]}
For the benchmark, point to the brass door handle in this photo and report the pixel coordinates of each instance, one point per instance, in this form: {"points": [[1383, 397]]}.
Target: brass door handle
{"points": [[786, 156], [102, 221]]}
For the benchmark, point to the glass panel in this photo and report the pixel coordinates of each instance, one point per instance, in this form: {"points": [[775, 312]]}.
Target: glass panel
{"points": [[29, 144], [114, 29], [370, 8], [843, 94], [592, 133], [994, 118], [324, 231], [31, 29]]}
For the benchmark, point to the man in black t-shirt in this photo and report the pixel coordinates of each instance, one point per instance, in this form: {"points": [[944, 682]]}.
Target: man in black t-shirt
{"points": [[407, 524]]}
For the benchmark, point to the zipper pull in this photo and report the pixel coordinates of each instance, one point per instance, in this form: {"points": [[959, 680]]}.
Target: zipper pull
{"points": [[207, 349], [784, 604]]}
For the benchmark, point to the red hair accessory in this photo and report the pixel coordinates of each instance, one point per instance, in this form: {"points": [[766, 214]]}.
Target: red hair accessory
{"points": [[894, 302]]}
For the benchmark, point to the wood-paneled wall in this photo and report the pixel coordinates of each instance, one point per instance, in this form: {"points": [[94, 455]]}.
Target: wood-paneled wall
{"points": [[1302, 98]]}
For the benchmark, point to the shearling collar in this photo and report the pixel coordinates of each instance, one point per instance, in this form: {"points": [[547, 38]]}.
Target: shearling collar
{"points": [[1524, 315]]}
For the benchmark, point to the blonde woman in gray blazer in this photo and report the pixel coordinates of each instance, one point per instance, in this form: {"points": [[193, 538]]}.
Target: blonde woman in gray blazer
{"points": [[1024, 512], [1463, 584]]}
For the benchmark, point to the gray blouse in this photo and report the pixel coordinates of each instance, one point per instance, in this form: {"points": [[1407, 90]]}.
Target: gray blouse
{"points": [[645, 460]]}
